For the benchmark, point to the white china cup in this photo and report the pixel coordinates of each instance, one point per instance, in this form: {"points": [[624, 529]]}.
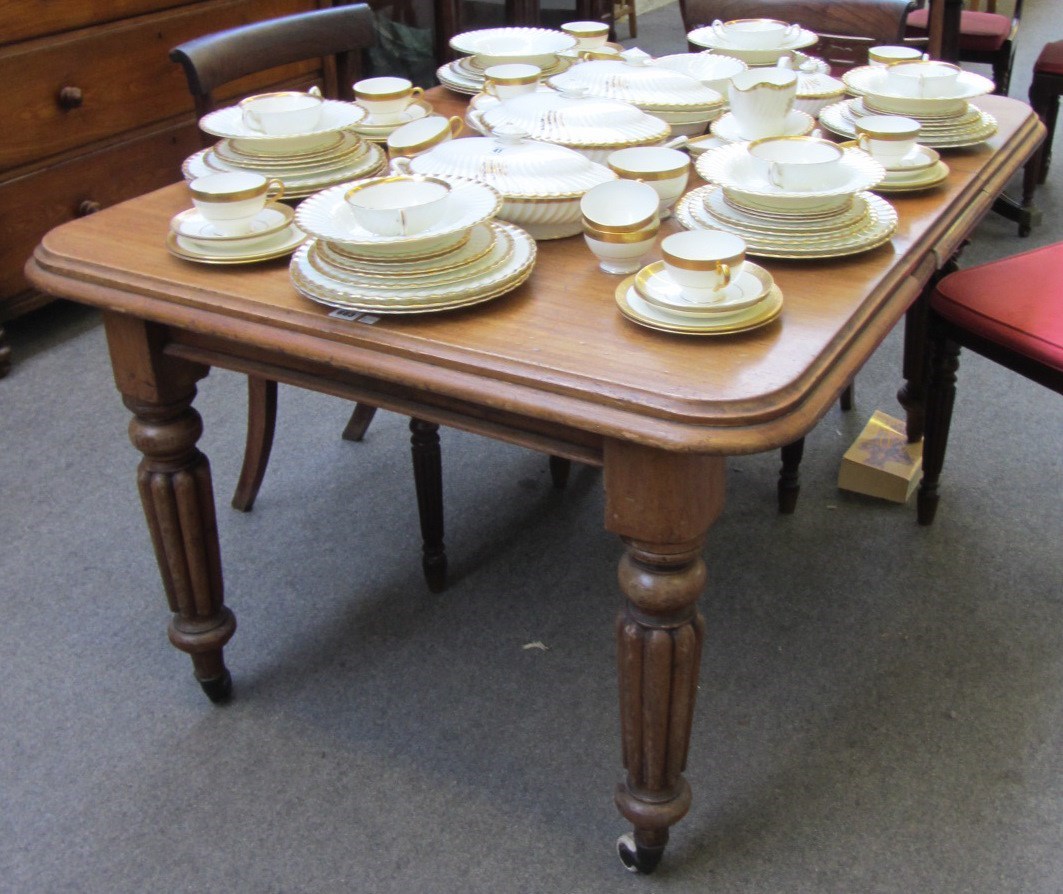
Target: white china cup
{"points": [[284, 112], [589, 35], [798, 164], [385, 95], [230, 201], [887, 138], [421, 135], [666, 170], [880, 57], [702, 262], [923, 80], [755, 34], [603, 53], [400, 205], [511, 79], [620, 253], [761, 98]]}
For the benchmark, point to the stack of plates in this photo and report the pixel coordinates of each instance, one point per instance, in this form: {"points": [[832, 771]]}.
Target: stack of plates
{"points": [[922, 168], [831, 222], [653, 299], [331, 153], [467, 258], [795, 124], [273, 235], [466, 74], [379, 127]]}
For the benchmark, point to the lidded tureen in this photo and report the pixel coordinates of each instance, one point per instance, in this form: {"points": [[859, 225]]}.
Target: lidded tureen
{"points": [[816, 89], [541, 183], [594, 127]]}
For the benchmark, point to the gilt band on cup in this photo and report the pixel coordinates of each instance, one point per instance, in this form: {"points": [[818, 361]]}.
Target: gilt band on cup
{"points": [[642, 235], [621, 228], [701, 265]]}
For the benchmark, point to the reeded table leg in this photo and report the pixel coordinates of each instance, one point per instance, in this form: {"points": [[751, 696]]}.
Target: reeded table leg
{"points": [[175, 489], [661, 505], [428, 479]]}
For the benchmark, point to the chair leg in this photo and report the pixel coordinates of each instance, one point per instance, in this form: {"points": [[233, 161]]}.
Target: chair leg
{"points": [[5, 354], [261, 421], [847, 398], [358, 423], [428, 480], [940, 398], [790, 476], [559, 470]]}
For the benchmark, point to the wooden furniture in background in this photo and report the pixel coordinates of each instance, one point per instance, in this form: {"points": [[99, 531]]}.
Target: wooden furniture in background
{"points": [[96, 112], [552, 366], [1009, 311], [1045, 89]]}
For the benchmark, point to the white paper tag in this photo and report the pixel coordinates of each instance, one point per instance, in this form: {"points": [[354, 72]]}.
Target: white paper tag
{"points": [[354, 316]]}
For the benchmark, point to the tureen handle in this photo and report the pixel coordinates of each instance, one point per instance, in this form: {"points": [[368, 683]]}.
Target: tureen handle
{"points": [[401, 165], [677, 142]]}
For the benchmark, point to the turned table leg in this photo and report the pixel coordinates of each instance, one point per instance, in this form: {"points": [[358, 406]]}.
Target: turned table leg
{"points": [[5, 354], [661, 505], [428, 480], [175, 488]]}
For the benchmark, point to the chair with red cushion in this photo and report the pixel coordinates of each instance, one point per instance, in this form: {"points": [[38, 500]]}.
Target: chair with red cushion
{"points": [[986, 36], [1009, 311]]}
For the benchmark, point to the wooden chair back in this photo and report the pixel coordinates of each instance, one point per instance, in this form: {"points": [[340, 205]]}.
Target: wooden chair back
{"points": [[846, 28]]}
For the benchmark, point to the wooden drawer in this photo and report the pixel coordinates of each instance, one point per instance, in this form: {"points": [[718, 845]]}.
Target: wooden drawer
{"points": [[27, 19], [122, 75], [32, 205]]}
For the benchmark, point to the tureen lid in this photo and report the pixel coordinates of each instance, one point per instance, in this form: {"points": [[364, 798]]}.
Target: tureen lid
{"points": [[516, 166], [812, 81], [573, 119], [636, 79]]}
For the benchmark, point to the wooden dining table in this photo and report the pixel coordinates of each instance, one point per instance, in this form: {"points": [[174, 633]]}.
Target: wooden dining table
{"points": [[554, 366]]}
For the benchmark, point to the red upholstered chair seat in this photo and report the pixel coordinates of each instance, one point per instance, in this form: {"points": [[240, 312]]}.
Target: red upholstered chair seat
{"points": [[1051, 59], [1016, 303], [979, 31]]}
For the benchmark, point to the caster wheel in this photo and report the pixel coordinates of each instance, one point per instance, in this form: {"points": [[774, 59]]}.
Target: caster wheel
{"points": [[220, 689], [637, 859]]}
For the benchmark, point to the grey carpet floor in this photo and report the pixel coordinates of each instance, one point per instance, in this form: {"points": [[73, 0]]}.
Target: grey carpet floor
{"points": [[880, 706]]}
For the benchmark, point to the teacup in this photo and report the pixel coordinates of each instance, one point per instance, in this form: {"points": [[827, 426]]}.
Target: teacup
{"points": [[511, 79], [666, 170], [589, 35], [703, 261], [385, 95], [421, 135], [755, 34], [230, 201], [400, 205], [880, 57], [798, 164], [923, 80], [620, 223], [284, 112], [603, 53], [621, 252], [761, 98], [888, 138]]}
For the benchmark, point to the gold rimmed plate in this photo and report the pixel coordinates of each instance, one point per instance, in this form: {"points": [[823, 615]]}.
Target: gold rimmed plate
{"points": [[254, 250], [479, 241], [194, 226], [635, 308], [655, 286]]}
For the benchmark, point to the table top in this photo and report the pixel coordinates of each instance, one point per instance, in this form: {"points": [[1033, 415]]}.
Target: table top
{"points": [[557, 350]]}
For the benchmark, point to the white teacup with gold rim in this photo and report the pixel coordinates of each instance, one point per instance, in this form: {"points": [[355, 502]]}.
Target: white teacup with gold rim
{"points": [[761, 98], [231, 200], [666, 170], [928, 79], [421, 135], [511, 79], [386, 95], [283, 112], [880, 57], [620, 223], [887, 138], [589, 35], [400, 205], [703, 262], [798, 164], [755, 34]]}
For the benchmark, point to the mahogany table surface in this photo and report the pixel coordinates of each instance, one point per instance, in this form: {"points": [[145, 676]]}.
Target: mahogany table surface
{"points": [[552, 365]]}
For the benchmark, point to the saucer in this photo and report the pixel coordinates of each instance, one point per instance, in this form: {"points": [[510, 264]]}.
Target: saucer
{"points": [[796, 124], [335, 115], [417, 109], [239, 251], [193, 225], [655, 285], [919, 159], [924, 178], [635, 308]]}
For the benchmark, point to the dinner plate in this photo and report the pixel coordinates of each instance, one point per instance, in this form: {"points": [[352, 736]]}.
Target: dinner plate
{"points": [[471, 247], [328, 216], [193, 225], [348, 148], [335, 115], [838, 118], [237, 252], [796, 124], [724, 206], [655, 285], [635, 308]]}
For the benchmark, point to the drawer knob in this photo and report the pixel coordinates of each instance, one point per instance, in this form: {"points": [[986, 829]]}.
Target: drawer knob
{"points": [[87, 207], [70, 97]]}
